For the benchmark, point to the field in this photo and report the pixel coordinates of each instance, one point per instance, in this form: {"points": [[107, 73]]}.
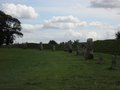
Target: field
{"points": [[46, 70]]}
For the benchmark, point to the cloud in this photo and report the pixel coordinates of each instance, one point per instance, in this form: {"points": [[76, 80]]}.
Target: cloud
{"points": [[82, 35], [57, 22], [63, 35], [63, 22], [29, 27], [67, 23], [105, 3], [60, 27], [19, 10], [71, 22]]}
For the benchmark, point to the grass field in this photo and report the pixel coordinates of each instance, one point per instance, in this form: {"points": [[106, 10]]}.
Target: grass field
{"points": [[46, 70]]}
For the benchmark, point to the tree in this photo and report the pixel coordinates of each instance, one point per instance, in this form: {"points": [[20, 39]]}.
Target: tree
{"points": [[52, 42], [76, 42], [62, 43], [10, 27], [117, 35]]}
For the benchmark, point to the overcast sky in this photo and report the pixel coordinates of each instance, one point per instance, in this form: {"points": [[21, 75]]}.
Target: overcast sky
{"points": [[63, 20]]}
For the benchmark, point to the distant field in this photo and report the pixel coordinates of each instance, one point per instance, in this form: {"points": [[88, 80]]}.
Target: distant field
{"points": [[46, 70]]}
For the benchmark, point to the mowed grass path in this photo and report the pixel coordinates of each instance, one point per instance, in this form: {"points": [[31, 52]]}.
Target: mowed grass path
{"points": [[46, 70]]}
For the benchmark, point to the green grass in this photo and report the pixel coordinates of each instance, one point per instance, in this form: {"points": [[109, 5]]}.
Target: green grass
{"points": [[46, 70]]}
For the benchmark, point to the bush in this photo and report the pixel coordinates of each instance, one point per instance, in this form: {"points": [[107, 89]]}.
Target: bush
{"points": [[107, 46]]}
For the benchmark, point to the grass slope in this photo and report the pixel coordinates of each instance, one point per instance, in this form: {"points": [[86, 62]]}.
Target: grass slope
{"points": [[46, 70]]}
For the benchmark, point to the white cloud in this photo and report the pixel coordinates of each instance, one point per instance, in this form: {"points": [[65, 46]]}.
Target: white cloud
{"points": [[65, 19], [71, 22], [95, 24], [67, 23], [58, 22], [42, 36], [70, 28], [30, 27], [82, 35], [62, 22], [105, 3], [19, 10], [63, 35]]}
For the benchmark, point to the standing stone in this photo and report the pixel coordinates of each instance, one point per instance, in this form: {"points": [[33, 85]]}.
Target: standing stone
{"points": [[25, 46], [65, 46], [41, 46], [113, 65], [82, 49], [54, 48], [88, 52], [77, 50], [100, 60], [70, 46]]}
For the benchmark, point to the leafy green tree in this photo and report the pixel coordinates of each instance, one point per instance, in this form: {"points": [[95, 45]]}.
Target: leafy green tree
{"points": [[117, 35], [10, 27], [52, 42], [76, 42], [62, 43]]}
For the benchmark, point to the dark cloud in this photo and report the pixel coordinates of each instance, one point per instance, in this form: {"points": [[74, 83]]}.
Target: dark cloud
{"points": [[105, 3]]}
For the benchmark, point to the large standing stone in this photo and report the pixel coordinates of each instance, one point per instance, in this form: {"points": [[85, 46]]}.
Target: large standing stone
{"points": [[70, 46], [88, 53], [41, 46]]}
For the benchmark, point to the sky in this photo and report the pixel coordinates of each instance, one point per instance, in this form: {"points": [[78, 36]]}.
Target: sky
{"points": [[63, 20]]}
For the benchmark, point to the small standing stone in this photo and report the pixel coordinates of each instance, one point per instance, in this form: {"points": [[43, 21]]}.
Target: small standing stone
{"points": [[100, 60], [77, 50], [82, 49], [114, 58], [65, 46], [25, 46]]}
